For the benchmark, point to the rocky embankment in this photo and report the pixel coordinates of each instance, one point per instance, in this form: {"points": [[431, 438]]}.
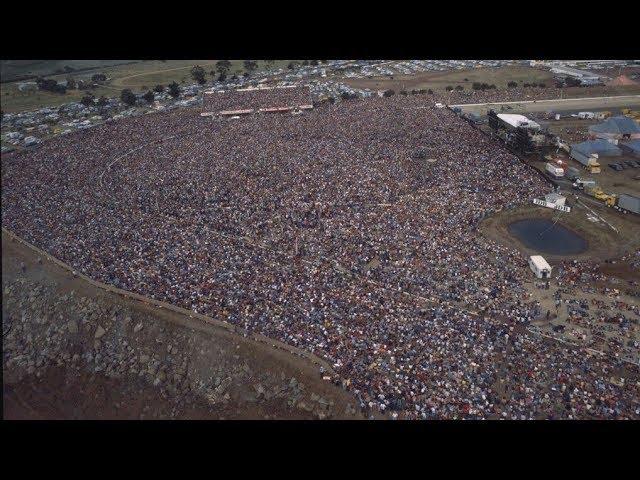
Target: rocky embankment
{"points": [[179, 366]]}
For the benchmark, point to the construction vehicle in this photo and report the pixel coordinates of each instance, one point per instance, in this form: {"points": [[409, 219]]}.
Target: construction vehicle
{"points": [[593, 190], [627, 112], [611, 201], [597, 193]]}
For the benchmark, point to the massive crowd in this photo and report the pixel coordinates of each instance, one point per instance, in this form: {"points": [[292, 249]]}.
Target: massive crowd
{"points": [[349, 231], [256, 98]]}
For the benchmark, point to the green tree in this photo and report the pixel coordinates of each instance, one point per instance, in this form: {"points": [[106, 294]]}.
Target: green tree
{"points": [[223, 66], [158, 89], [174, 89], [128, 97], [149, 97], [71, 83], [198, 74], [250, 65], [87, 100]]}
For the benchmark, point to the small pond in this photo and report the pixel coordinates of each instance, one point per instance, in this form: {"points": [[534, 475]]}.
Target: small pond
{"points": [[544, 236]]}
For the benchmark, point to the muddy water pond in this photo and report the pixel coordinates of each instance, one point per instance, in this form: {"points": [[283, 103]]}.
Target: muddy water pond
{"points": [[543, 236]]}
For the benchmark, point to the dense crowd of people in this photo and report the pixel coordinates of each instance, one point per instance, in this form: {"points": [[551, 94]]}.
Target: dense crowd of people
{"points": [[256, 98], [349, 231]]}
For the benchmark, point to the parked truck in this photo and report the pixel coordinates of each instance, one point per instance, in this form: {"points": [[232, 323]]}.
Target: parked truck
{"points": [[554, 170], [582, 184], [629, 203]]}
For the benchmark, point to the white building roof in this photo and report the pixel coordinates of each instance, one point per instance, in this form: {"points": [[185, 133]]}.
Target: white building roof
{"points": [[554, 197], [540, 262], [516, 120]]}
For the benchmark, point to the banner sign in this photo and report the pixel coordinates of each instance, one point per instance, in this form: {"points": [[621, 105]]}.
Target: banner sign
{"points": [[543, 203]]}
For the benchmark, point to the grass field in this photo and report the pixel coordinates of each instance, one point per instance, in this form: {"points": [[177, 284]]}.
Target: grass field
{"points": [[139, 76], [465, 78], [12, 70]]}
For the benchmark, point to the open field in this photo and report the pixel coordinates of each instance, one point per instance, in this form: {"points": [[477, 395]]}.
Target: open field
{"points": [[73, 390], [440, 80], [465, 78], [13, 70], [139, 77]]}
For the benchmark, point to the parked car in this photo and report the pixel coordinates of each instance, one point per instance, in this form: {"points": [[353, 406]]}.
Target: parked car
{"points": [[630, 163], [615, 166]]}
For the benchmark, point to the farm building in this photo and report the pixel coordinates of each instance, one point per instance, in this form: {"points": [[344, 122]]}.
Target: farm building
{"points": [[616, 128], [600, 147], [539, 266]]}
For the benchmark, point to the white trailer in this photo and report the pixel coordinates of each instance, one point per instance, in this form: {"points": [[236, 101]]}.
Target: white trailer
{"points": [[554, 170], [539, 266]]}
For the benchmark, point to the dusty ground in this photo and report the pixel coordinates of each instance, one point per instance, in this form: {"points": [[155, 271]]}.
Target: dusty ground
{"points": [[72, 351], [440, 80]]}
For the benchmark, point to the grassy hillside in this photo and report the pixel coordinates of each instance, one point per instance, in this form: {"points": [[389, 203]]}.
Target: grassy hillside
{"points": [[139, 76]]}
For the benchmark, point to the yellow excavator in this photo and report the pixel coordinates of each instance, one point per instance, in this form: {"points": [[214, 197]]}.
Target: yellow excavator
{"points": [[599, 194]]}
